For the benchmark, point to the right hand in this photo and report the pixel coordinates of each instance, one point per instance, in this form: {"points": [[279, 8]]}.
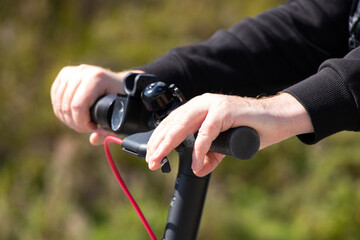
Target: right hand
{"points": [[75, 90], [274, 118]]}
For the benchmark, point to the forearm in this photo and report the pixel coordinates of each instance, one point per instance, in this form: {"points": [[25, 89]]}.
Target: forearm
{"points": [[264, 54]]}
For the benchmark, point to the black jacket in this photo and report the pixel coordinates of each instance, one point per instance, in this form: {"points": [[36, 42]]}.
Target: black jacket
{"points": [[300, 47]]}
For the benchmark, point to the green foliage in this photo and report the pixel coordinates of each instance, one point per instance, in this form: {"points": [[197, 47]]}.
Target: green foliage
{"points": [[54, 185]]}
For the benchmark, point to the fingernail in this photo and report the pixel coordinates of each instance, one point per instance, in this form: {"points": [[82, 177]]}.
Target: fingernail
{"points": [[152, 165], [94, 140], [195, 166], [196, 162]]}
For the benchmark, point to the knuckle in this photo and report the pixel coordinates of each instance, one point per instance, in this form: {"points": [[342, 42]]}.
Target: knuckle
{"points": [[201, 98], [56, 107], [82, 67], [92, 72], [65, 109], [204, 131], [206, 95], [76, 106], [99, 74], [213, 125], [95, 77], [65, 70]]}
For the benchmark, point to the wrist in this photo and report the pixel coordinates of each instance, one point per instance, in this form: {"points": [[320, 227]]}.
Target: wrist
{"points": [[291, 117]]}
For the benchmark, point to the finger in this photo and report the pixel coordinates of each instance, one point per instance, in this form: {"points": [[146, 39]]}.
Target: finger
{"points": [[59, 99], [84, 97], [159, 133], [169, 141], [152, 145], [96, 138], [99, 135], [211, 161], [68, 96], [171, 132], [54, 88], [208, 132], [59, 80], [158, 136]]}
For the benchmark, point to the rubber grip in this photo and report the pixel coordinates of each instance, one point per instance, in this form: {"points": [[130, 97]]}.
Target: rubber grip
{"points": [[242, 143], [101, 110]]}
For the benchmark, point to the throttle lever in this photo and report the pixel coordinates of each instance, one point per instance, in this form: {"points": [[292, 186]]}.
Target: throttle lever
{"points": [[136, 145]]}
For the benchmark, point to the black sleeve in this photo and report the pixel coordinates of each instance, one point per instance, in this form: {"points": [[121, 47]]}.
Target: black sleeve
{"points": [[331, 97], [273, 51], [264, 54]]}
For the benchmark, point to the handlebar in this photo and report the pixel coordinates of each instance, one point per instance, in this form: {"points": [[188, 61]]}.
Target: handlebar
{"points": [[242, 142]]}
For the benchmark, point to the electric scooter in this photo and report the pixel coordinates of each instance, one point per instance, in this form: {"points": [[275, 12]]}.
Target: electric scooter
{"points": [[136, 114]]}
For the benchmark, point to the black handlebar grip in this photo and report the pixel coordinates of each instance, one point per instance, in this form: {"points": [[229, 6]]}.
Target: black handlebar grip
{"points": [[101, 111], [242, 143]]}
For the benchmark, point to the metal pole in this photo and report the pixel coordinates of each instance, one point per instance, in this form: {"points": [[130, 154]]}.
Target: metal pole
{"points": [[187, 201]]}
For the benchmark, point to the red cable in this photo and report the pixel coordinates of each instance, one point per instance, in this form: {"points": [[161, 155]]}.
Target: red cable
{"points": [[122, 183]]}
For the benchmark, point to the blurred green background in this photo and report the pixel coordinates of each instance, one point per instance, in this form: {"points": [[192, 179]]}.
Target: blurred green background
{"points": [[54, 185]]}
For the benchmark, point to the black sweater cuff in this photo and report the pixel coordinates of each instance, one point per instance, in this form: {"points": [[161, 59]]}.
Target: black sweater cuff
{"points": [[328, 102]]}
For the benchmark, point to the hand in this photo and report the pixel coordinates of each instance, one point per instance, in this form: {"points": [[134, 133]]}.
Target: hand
{"points": [[74, 91], [275, 119]]}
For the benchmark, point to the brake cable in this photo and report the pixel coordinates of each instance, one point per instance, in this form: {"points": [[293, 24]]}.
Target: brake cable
{"points": [[119, 141]]}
